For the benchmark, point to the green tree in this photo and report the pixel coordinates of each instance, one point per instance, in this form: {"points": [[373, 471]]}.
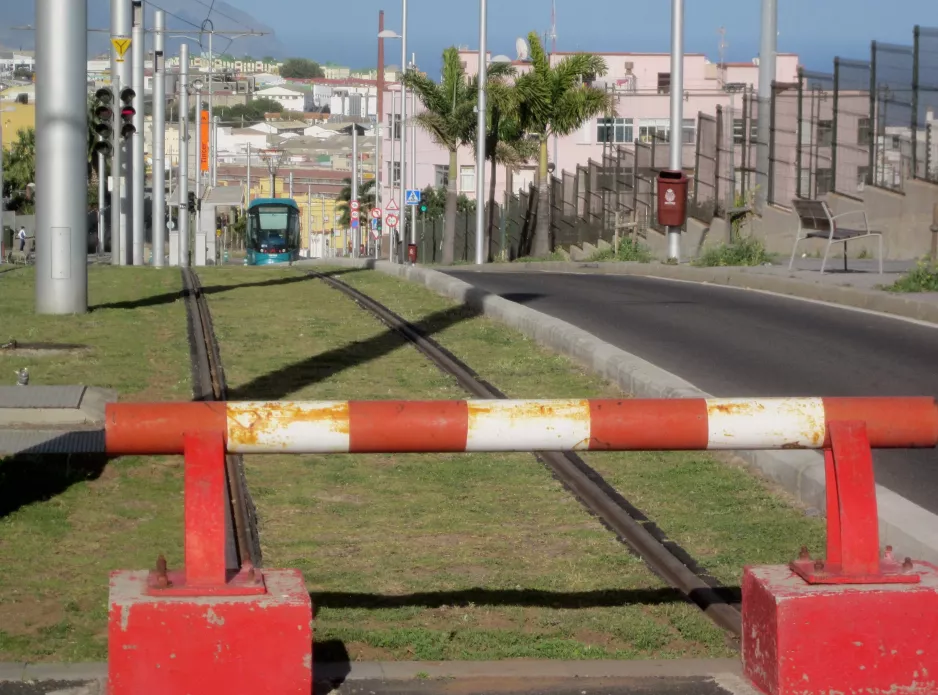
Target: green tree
{"points": [[449, 118], [366, 202], [247, 114], [19, 170], [556, 100], [301, 69], [434, 199], [506, 143]]}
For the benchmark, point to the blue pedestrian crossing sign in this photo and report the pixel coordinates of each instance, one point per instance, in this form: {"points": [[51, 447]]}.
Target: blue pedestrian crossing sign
{"points": [[412, 197]]}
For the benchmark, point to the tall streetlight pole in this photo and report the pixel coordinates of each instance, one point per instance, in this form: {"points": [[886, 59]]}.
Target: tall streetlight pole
{"points": [[122, 165], [480, 134], [767, 50], [159, 141], [677, 110], [138, 183], [211, 105], [197, 90], [61, 157], [402, 181], [182, 178]]}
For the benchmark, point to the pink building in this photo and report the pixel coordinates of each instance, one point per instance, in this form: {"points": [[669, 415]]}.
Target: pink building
{"points": [[641, 83]]}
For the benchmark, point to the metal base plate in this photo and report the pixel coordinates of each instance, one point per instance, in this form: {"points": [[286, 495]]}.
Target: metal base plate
{"points": [[889, 573], [245, 582]]}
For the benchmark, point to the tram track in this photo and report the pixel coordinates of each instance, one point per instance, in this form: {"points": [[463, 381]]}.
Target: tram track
{"points": [[664, 558], [243, 549]]}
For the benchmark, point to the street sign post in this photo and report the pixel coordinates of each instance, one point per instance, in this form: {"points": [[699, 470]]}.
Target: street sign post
{"points": [[392, 220], [412, 197], [354, 205], [392, 206], [376, 213]]}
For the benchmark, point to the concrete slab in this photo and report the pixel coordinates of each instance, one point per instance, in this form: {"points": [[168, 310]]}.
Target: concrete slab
{"points": [[41, 396]]}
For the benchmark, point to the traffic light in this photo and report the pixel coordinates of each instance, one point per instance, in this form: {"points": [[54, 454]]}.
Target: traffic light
{"points": [[423, 207], [103, 117], [128, 112]]}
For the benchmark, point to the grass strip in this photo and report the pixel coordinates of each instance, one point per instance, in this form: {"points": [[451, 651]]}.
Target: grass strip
{"points": [[66, 522]]}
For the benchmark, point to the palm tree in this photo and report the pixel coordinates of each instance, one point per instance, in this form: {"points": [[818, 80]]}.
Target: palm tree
{"points": [[19, 168], [556, 100], [449, 117], [506, 142], [366, 202]]}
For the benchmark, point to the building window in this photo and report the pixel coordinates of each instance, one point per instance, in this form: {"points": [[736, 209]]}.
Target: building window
{"points": [[823, 182], [689, 131], [394, 174], [863, 132], [664, 82], [739, 126], [654, 129], [395, 124], [825, 133], [467, 179], [441, 176], [616, 130]]}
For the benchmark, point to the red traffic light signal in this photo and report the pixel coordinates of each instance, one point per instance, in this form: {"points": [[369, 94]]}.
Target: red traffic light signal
{"points": [[128, 112]]}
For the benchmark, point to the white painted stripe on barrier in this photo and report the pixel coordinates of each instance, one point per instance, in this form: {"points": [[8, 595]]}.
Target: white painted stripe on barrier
{"points": [[257, 427], [528, 425], [761, 423]]}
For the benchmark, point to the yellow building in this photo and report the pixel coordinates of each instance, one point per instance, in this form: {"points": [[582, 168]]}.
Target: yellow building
{"points": [[15, 117]]}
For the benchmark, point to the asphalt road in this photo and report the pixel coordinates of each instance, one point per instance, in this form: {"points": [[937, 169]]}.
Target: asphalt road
{"points": [[732, 342]]}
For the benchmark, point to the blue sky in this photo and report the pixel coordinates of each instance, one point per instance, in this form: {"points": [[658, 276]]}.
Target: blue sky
{"points": [[816, 29]]}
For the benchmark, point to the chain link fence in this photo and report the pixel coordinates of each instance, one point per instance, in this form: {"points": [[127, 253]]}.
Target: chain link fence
{"points": [[892, 114], [783, 139], [815, 145]]}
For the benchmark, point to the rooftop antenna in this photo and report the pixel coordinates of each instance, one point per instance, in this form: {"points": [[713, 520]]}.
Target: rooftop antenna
{"points": [[722, 51], [552, 35]]}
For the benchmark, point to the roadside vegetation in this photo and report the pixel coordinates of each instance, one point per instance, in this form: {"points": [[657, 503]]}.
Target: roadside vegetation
{"points": [[743, 251], [629, 250], [922, 278]]}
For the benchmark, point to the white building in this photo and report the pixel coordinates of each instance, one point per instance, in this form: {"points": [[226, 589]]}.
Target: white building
{"points": [[289, 99]]}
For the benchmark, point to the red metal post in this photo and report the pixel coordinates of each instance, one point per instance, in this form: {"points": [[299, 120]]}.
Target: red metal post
{"points": [[205, 509], [853, 555]]}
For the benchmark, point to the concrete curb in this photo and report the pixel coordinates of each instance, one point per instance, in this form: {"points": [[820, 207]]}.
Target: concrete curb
{"points": [[409, 670], [743, 278], [909, 528]]}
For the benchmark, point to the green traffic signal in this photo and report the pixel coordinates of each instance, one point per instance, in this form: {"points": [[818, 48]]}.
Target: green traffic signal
{"points": [[423, 207]]}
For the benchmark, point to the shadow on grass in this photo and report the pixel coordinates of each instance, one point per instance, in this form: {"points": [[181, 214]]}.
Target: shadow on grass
{"points": [[171, 297], [530, 598], [318, 368], [29, 478]]}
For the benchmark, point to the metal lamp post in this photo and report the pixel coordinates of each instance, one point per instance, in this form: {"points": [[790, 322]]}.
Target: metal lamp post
{"points": [[677, 111], [482, 132], [196, 90], [388, 34]]}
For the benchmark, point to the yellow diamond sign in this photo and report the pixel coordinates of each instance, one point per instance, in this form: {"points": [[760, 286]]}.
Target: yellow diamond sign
{"points": [[121, 46]]}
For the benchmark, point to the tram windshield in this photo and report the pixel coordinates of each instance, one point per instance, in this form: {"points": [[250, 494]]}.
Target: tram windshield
{"points": [[273, 228]]}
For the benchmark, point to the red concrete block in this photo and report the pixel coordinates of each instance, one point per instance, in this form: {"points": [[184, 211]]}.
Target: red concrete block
{"points": [[210, 645], [870, 639]]}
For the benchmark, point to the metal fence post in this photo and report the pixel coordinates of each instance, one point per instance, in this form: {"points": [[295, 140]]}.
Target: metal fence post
{"points": [[916, 53], [798, 133], [744, 164], [773, 106], [697, 160], [834, 121], [873, 124], [716, 186]]}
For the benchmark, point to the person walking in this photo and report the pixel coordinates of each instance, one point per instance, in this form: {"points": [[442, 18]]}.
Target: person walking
{"points": [[21, 235]]}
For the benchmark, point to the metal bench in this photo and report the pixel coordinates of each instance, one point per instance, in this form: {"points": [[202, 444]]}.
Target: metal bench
{"points": [[815, 221]]}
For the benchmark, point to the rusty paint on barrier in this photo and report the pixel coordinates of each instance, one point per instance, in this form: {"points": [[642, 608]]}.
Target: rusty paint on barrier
{"points": [[782, 423], [523, 425], [526, 425], [259, 426]]}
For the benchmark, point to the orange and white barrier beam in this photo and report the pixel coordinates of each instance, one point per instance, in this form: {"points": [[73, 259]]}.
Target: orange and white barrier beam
{"points": [[519, 425]]}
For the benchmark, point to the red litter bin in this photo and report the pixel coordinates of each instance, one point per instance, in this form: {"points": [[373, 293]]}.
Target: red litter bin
{"points": [[672, 198], [412, 254]]}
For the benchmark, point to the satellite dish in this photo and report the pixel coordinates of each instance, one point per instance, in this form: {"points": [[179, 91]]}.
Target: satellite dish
{"points": [[521, 46]]}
